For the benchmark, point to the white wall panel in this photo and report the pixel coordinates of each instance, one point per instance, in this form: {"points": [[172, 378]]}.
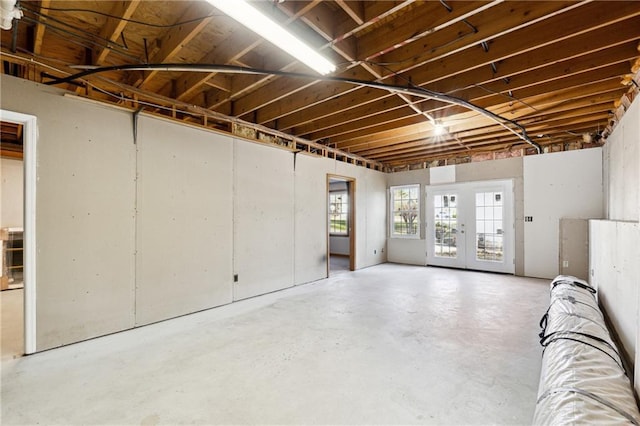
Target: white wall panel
{"points": [[185, 220], [565, 184], [370, 213], [85, 214], [407, 250], [339, 245], [613, 258], [12, 192], [623, 167], [376, 220], [311, 217], [263, 219]]}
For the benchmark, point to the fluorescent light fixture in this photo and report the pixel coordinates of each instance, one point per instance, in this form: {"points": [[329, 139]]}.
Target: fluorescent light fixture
{"points": [[268, 29]]}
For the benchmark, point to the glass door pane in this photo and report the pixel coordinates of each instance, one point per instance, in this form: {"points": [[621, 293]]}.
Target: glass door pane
{"points": [[445, 215], [489, 226]]}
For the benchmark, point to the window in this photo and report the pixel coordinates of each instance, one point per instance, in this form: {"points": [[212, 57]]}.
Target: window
{"points": [[338, 213], [405, 211]]}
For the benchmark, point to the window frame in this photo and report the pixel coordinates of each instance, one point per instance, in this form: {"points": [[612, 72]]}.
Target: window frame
{"points": [[392, 211], [346, 214]]}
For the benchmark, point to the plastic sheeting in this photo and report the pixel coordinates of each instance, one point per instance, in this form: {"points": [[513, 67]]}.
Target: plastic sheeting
{"points": [[582, 379]]}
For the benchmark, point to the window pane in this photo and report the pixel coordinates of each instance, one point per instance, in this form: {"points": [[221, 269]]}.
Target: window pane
{"points": [[338, 213], [406, 212]]}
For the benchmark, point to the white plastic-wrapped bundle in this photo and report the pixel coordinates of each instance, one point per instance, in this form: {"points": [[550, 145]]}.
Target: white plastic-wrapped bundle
{"points": [[582, 379]]}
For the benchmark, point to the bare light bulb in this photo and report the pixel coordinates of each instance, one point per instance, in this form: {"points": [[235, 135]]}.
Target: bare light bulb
{"points": [[439, 129]]}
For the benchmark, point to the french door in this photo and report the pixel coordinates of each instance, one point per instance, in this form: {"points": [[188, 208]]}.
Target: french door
{"points": [[471, 225]]}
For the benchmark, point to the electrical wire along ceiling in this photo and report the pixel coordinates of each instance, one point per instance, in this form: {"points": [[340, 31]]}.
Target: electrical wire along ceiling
{"points": [[398, 83]]}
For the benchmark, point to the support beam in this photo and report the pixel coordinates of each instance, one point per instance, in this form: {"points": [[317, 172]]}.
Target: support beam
{"points": [[38, 37], [111, 31], [177, 37]]}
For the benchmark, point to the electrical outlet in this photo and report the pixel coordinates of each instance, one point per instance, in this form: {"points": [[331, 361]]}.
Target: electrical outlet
{"points": [[375, 251], [528, 218]]}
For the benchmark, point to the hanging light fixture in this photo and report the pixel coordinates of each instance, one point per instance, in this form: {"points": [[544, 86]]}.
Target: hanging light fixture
{"points": [[268, 29]]}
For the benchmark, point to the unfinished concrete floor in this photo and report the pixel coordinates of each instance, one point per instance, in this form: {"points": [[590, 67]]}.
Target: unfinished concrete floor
{"points": [[387, 344], [12, 314]]}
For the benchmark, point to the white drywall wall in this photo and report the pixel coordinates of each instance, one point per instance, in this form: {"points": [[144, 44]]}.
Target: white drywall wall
{"points": [[85, 217], [311, 217], [614, 245], [564, 184], [12, 193], [185, 212], [263, 219], [614, 256], [409, 251], [376, 218], [339, 245], [622, 167], [370, 226]]}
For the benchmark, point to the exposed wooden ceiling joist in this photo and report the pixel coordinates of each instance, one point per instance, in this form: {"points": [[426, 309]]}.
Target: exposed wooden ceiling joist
{"points": [[553, 66]]}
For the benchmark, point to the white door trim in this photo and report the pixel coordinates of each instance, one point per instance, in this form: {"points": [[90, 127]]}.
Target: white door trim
{"points": [[30, 134]]}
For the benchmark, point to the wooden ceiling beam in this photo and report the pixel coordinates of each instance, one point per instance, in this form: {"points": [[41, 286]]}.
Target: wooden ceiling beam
{"points": [[112, 30], [346, 131], [564, 26], [515, 16], [229, 52], [559, 134], [38, 37], [279, 90], [333, 110], [485, 133], [355, 10], [337, 123], [392, 40], [411, 26], [177, 37], [396, 135], [451, 146], [449, 77]]}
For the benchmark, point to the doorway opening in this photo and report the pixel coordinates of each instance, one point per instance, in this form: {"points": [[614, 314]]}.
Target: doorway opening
{"points": [[17, 233], [341, 227]]}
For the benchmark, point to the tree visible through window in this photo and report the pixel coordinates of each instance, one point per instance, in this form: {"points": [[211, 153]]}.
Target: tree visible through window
{"points": [[405, 205], [338, 213]]}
